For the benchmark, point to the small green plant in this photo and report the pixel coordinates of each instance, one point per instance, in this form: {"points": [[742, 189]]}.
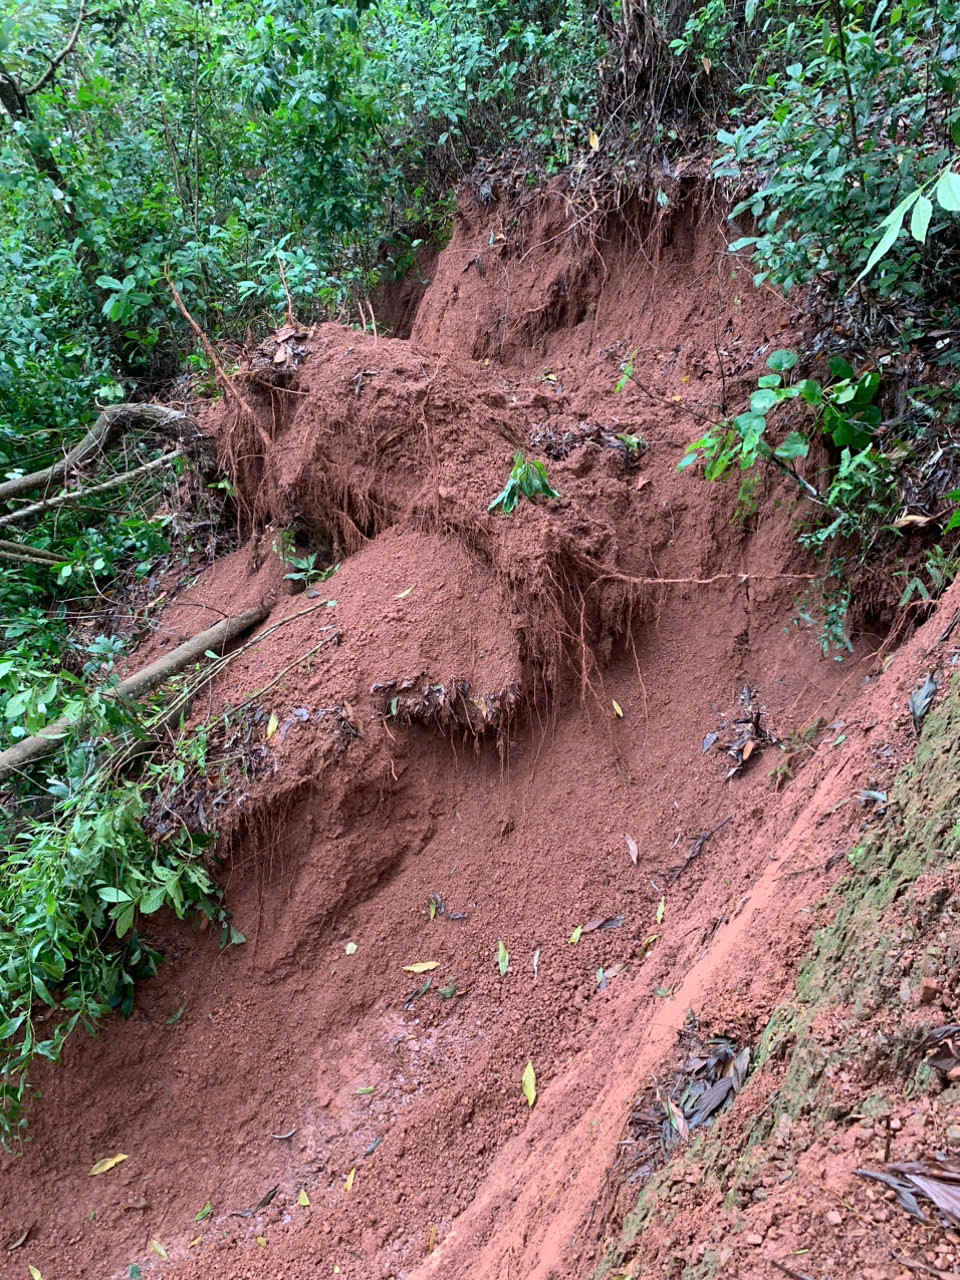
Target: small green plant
{"points": [[527, 479], [306, 571], [634, 445], [940, 569]]}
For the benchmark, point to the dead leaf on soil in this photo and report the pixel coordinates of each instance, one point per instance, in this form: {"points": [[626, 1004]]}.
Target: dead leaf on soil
{"points": [[503, 958], [632, 849], [528, 1082], [661, 907], [919, 701], [348, 1184], [159, 1250], [678, 1120], [248, 1213], [34, 1273], [282, 1137], [593, 139], [272, 724], [946, 1041], [261, 1241], [402, 595], [421, 966], [575, 936], [367, 1089], [934, 1180], [708, 742], [617, 709], [415, 995], [605, 922], [103, 1166], [21, 1238], [303, 1200]]}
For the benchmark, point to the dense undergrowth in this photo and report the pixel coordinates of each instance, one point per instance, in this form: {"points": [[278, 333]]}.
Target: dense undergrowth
{"points": [[294, 155]]}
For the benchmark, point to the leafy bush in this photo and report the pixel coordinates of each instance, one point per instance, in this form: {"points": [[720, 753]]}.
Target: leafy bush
{"points": [[851, 111]]}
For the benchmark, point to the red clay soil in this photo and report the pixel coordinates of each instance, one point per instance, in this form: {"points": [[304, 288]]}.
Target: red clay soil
{"points": [[503, 782]]}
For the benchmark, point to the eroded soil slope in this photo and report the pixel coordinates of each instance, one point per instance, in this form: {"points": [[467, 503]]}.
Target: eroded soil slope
{"points": [[446, 771]]}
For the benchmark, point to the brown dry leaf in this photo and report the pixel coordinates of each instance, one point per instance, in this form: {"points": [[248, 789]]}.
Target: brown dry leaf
{"points": [[748, 749], [632, 849], [432, 1240], [280, 355], [913, 522], [194, 1242], [102, 1166], [706, 64], [421, 966], [679, 1121], [21, 1239], [348, 1184], [158, 1249]]}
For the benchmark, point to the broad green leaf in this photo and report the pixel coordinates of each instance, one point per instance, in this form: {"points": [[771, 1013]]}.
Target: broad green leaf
{"points": [[107, 893], [782, 360], [920, 219], [794, 446], [124, 921], [528, 1082], [153, 900], [894, 225], [948, 191]]}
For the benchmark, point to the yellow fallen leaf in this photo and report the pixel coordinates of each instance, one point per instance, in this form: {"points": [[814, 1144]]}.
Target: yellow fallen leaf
{"points": [[593, 140], [432, 1240], [261, 1241], [348, 1185], [35, 1273], [422, 966], [272, 725], [195, 1241], [575, 936], [103, 1165], [158, 1249], [617, 709], [528, 1083], [402, 595], [303, 1200], [707, 65], [685, 378]]}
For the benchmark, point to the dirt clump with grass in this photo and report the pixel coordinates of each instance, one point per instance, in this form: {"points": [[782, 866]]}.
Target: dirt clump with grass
{"points": [[501, 813]]}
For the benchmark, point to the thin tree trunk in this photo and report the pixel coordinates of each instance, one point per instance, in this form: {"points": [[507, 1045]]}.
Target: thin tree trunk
{"points": [[42, 744], [112, 418]]}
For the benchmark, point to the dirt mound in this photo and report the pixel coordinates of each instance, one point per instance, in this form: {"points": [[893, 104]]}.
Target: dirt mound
{"points": [[480, 730]]}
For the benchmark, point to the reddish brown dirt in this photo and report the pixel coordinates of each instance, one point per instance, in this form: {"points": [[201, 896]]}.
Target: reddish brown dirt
{"points": [[635, 586]]}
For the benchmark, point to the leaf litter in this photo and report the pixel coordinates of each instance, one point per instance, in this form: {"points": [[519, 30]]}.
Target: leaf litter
{"points": [[935, 1180], [710, 1072]]}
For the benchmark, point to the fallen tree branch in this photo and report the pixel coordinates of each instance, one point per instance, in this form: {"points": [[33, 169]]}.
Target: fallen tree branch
{"points": [[45, 742], [110, 420], [18, 558], [76, 494], [19, 549]]}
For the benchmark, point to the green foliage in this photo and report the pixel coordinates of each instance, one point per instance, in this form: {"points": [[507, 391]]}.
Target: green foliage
{"points": [[75, 889], [844, 411], [940, 570], [305, 569], [527, 479], [842, 118]]}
